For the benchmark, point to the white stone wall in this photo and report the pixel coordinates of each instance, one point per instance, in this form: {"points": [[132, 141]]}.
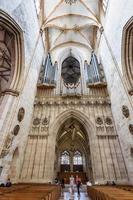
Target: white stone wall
{"points": [[24, 13], [106, 156], [118, 13]]}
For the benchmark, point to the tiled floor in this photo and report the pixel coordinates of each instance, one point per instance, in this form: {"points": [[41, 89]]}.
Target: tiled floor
{"points": [[67, 196]]}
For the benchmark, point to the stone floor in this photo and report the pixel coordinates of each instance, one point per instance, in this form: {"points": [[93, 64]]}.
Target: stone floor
{"points": [[67, 196]]}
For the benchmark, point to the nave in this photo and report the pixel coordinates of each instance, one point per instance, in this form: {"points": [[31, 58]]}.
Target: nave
{"points": [[32, 191], [67, 196]]}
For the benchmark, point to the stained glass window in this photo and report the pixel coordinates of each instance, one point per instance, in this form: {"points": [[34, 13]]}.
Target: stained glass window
{"points": [[77, 159], [65, 158]]}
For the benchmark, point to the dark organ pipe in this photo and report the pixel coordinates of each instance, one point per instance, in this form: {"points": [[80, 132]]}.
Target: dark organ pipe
{"points": [[93, 70], [49, 71]]}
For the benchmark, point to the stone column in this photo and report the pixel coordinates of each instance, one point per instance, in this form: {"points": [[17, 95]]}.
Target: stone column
{"points": [[71, 162]]}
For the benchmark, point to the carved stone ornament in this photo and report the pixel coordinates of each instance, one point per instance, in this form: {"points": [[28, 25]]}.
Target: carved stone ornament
{"points": [[125, 111], [45, 121], [131, 128], [36, 121], [99, 121], [108, 121], [16, 130], [7, 145], [21, 114]]}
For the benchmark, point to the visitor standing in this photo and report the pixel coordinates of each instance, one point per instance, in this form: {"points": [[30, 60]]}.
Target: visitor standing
{"points": [[72, 184], [78, 184]]}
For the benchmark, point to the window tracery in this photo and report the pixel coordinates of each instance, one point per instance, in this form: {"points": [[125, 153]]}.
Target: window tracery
{"points": [[127, 57], [77, 158], [11, 56], [70, 72], [7, 57], [65, 158]]}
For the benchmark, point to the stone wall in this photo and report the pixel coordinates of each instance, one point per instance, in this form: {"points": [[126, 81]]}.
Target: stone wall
{"points": [[94, 113], [36, 155], [118, 13], [24, 13]]}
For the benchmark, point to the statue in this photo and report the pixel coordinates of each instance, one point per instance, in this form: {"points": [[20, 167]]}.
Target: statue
{"points": [[7, 145]]}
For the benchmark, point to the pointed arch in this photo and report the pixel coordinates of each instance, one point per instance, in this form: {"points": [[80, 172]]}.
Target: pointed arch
{"points": [[127, 54], [79, 116], [73, 132], [16, 58]]}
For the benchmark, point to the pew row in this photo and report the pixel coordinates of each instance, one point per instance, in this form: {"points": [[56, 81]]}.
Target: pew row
{"points": [[125, 187], [31, 192], [108, 193]]}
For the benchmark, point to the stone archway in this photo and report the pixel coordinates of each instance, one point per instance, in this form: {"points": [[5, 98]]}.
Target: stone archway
{"points": [[54, 129], [127, 55], [72, 137]]}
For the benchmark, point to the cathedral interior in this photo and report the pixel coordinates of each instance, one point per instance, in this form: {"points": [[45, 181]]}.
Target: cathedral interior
{"points": [[66, 91]]}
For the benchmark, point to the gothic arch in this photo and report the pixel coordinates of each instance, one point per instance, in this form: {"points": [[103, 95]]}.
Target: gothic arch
{"points": [[82, 141], [79, 116], [127, 54], [64, 53], [14, 46]]}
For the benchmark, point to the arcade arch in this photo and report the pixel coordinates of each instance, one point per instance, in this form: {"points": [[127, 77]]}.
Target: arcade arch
{"points": [[73, 142]]}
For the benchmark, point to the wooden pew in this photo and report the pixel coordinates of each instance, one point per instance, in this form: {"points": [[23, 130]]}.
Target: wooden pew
{"points": [[31, 192], [125, 187], [10, 189], [108, 193]]}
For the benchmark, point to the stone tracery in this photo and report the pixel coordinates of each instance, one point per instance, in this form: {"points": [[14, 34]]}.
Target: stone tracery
{"points": [[7, 58]]}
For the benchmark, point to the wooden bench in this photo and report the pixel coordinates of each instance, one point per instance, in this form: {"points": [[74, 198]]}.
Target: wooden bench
{"points": [[31, 192], [125, 187], [108, 193]]}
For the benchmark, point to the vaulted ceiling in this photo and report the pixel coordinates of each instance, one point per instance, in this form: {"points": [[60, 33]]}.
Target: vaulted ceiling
{"points": [[71, 26]]}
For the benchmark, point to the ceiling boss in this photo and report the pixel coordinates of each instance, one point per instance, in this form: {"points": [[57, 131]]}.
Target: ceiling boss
{"points": [[70, 1]]}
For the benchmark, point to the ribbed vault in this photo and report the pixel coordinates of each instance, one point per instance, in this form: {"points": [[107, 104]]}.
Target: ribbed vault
{"points": [[71, 26]]}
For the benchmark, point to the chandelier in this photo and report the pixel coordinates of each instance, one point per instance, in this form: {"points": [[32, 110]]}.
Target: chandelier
{"points": [[70, 1]]}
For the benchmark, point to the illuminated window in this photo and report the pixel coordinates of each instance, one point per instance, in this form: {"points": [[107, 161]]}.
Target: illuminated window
{"points": [[77, 159], [65, 158]]}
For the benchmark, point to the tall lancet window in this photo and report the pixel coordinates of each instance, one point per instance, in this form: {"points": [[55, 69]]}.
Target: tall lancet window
{"points": [[65, 158], [77, 158]]}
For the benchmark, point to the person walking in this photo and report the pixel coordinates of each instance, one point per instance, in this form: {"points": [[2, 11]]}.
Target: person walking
{"points": [[78, 184], [71, 184]]}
